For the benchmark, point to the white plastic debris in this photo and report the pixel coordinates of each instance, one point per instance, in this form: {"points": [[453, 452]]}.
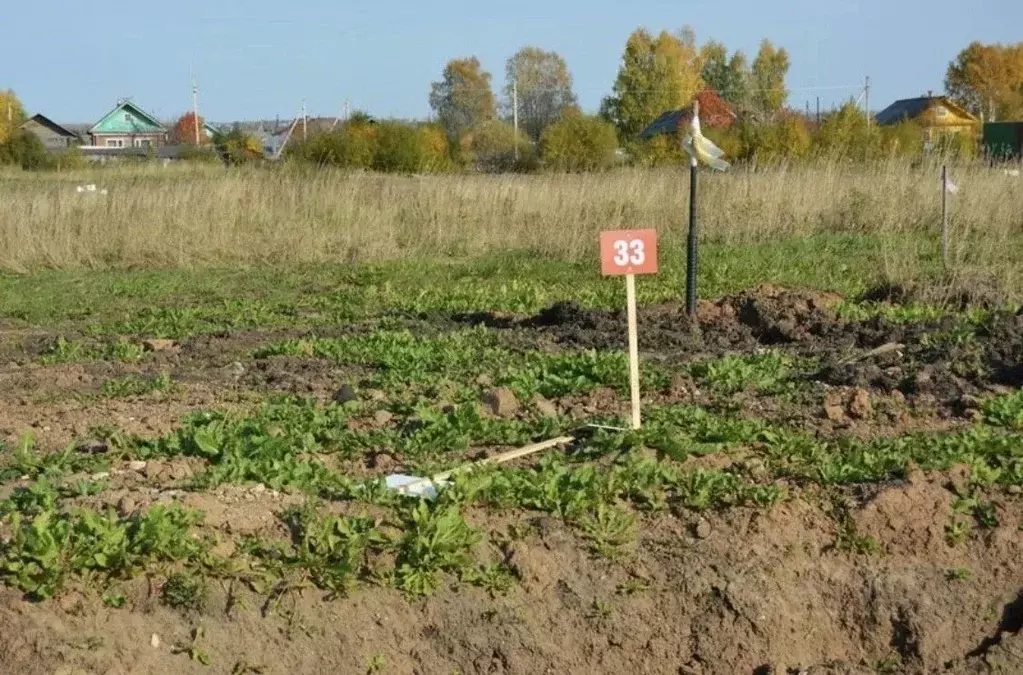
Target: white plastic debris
{"points": [[414, 486]]}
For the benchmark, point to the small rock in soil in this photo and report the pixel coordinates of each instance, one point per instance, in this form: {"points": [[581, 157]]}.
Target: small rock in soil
{"points": [[703, 529], [501, 401], [159, 345], [137, 465], [154, 641], [345, 394], [860, 406], [545, 407], [93, 447], [382, 417], [235, 370], [1015, 490]]}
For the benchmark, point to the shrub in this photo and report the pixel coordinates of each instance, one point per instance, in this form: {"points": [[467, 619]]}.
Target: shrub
{"points": [[661, 150], [69, 160], [237, 147], [350, 146], [785, 139], [905, 139], [24, 149], [845, 134], [406, 148], [490, 147], [579, 142]]}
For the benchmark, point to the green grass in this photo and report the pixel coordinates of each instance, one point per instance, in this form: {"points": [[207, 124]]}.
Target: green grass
{"points": [[176, 303]]}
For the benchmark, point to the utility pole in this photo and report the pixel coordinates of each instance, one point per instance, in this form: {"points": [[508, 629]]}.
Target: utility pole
{"points": [[515, 114], [866, 100], [818, 111], [305, 122], [195, 109]]}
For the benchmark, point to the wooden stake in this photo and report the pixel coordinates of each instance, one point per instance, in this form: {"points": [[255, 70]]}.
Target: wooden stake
{"points": [[630, 292], [496, 459]]}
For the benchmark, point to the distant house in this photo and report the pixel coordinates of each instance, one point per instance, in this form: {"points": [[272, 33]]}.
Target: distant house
{"points": [[128, 126], [936, 115], [715, 113], [54, 136]]}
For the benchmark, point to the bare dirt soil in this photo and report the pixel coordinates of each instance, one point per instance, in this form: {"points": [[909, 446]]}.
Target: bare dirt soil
{"points": [[757, 590]]}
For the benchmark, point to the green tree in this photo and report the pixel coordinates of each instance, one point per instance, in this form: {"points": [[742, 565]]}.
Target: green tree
{"points": [[579, 142], [988, 79], [656, 75], [770, 68], [729, 77], [544, 88], [12, 115], [463, 97]]}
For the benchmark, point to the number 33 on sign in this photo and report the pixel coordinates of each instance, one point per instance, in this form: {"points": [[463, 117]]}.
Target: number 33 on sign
{"points": [[628, 253]]}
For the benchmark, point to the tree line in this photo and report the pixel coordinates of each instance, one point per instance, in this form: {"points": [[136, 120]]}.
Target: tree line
{"points": [[473, 127]]}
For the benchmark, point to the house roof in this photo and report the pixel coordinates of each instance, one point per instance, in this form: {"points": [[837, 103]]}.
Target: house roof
{"points": [[910, 108], [134, 120], [51, 125], [715, 112]]}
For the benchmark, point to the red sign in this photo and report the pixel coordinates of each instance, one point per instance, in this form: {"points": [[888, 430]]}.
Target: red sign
{"points": [[628, 252]]}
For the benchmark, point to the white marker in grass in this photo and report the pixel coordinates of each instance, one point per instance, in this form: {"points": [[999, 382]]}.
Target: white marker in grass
{"points": [[628, 253]]}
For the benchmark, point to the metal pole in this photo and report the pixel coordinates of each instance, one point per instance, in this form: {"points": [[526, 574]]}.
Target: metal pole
{"points": [[944, 216], [866, 101], [195, 109], [692, 243], [515, 114]]}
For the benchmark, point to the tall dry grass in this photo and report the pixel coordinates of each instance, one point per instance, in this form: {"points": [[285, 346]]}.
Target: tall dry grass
{"points": [[204, 215]]}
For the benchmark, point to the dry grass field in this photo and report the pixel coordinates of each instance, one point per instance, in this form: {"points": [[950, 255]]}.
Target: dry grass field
{"points": [[183, 217]]}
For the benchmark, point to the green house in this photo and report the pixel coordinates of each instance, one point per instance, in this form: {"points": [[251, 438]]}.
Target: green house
{"points": [[128, 126]]}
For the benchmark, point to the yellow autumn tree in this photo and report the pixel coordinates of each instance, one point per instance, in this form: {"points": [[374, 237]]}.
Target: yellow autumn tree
{"points": [[988, 80], [12, 115], [656, 75]]}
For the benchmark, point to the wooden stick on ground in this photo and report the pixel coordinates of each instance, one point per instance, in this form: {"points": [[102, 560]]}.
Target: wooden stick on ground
{"points": [[496, 459]]}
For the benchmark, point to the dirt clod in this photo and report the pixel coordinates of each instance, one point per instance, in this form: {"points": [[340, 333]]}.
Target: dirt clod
{"points": [[346, 394], [860, 405], [156, 345], [500, 401], [545, 407]]}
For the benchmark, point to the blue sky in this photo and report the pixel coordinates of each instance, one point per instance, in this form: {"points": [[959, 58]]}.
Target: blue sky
{"points": [[259, 59]]}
